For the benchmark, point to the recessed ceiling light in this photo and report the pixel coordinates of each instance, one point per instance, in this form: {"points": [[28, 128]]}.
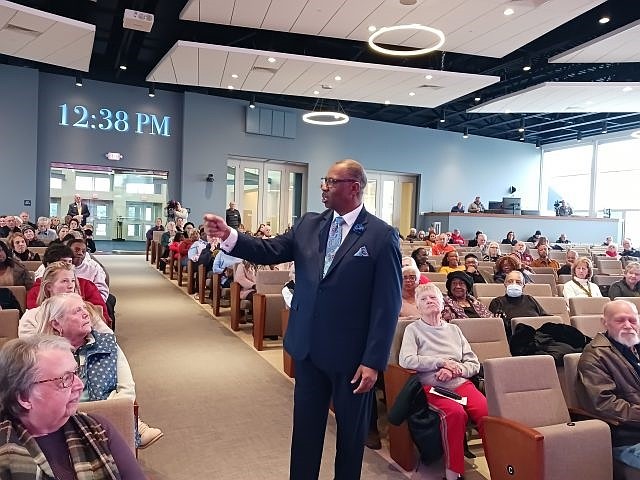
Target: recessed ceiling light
{"points": [[507, 111], [477, 99], [411, 94], [428, 77], [234, 76], [271, 60], [604, 19], [387, 102], [316, 92], [230, 87], [337, 78], [526, 68], [123, 67], [372, 28], [509, 11], [521, 129], [627, 89], [636, 134]]}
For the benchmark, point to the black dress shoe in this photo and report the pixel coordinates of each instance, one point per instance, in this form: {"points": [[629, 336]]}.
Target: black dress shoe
{"points": [[373, 441]]}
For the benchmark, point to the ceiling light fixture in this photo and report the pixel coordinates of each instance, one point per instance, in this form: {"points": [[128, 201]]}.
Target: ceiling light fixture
{"points": [[230, 87], [252, 103], [123, 67], [337, 78], [271, 60], [579, 136], [627, 89], [412, 94], [325, 117], [522, 137], [316, 92], [234, 76], [443, 118], [604, 127], [428, 77], [604, 19], [521, 128], [538, 144], [387, 102], [406, 53], [372, 28], [477, 99], [508, 11], [152, 92], [526, 68], [636, 134], [78, 80], [466, 133]]}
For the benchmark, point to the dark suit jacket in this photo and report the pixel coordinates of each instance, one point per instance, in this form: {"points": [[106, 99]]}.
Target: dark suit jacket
{"points": [[73, 211], [348, 317]]}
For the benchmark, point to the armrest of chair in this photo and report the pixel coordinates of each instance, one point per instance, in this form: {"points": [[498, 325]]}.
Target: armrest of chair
{"points": [[121, 412], [512, 449], [191, 268], [267, 320], [401, 447], [259, 319], [579, 414], [216, 293], [179, 268]]}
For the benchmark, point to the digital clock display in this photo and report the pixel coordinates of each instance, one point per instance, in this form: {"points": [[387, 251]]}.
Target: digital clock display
{"points": [[106, 119]]}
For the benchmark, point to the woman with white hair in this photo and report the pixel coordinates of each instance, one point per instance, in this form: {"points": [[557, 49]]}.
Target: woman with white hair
{"points": [[442, 357], [410, 278]]}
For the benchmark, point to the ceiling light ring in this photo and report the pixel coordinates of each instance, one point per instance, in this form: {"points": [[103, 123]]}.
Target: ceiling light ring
{"points": [[339, 118], [406, 53]]}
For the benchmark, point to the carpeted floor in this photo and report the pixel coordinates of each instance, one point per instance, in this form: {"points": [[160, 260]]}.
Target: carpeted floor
{"points": [[225, 412]]}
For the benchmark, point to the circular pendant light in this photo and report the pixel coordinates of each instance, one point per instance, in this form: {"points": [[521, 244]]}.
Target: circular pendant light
{"points": [[325, 118], [406, 53]]}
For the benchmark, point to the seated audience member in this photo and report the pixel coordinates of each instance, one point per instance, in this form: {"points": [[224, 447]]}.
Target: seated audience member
{"points": [[515, 303], [410, 262], [167, 238], [260, 230], [54, 223], [4, 230], [198, 246], [88, 238], [442, 357], [158, 227], [476, 206], [506, 264], [187, 229], [12, 224], [456, 237], [534, 238], [457, 208], [12, 272], [493, 252], [30, 236], [581, 284], [431, 239], [44, 231], [629, 286], [571, 258], [459, 303], [63, 231], [474, 242], [612, 251], [607, 380], [185, 245], [20, 250], [441, 247], [520, 252], [74, 224], [510, 239], [422, 236], [421, 257], [245, 275], [542, 240], [562, 239], [59, 277], [223, 264], [25, 219], [179, 224], [104, 370], [482, 244], [43, 434], [543, 259], [564, 210], [88, 268], [471, 268], [451, 263], [266, 232], [607, 241], [413, 235], [628, 250], [410, 279]]}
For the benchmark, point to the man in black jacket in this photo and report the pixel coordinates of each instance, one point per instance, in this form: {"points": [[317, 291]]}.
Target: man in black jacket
{"points": [[233, 217]]}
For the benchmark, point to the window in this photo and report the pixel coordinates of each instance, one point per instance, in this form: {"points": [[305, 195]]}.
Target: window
{"points": [[55, 183], [142, 188], [567, 176], [618, 173], [92, 184]]}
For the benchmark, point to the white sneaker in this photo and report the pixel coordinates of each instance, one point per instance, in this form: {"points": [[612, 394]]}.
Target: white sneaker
{"points": [[148, 435]]}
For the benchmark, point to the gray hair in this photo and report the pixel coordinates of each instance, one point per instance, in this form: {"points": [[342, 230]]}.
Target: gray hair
{"points": [[430, 287], [55, 308], [19, 368]]}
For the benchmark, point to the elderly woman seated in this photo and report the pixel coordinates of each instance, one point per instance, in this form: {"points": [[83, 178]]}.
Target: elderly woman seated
{"points": [[18, 244], [629, 286], [451, 263], [493, 252], [506, 264], [581, 284], [103, 368], [12, 272], [410, 280], [459, 303], [41, 433], [441, 355]]}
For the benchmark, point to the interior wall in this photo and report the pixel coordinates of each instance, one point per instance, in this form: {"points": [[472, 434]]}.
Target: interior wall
{"points": [[452, 169], [18, 148]]}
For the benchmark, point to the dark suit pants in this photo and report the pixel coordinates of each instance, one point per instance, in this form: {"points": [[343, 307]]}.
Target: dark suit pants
{"points": [[314, 389]]}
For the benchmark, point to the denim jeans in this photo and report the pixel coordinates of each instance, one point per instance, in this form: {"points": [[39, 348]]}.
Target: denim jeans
{"points": [[629, 455]]}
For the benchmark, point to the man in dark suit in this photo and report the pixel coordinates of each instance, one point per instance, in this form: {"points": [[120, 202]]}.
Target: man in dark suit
{"points": [[343, 315], [78, 210]]}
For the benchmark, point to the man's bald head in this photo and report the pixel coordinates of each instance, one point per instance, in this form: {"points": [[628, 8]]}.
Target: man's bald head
{"points": [[620, 319]]}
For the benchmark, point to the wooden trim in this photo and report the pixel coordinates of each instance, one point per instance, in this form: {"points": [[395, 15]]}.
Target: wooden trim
{"points": [[216, 293], [154, 251], [179, 266], [147, 249], [235, 306], [401, 447], [506, 215], [190, 279], [172, 266], [259, 319]]}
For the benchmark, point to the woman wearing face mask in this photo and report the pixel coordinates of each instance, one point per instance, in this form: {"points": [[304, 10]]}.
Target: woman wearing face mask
{"points": [[515, 303], [580, 284]]}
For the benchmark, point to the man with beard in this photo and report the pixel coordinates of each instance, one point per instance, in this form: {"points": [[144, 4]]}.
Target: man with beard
{"points": [[608, 383]]}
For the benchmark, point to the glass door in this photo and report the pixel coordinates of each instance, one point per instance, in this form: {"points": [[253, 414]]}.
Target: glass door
{"points": [[392, 198], [102, 220]]}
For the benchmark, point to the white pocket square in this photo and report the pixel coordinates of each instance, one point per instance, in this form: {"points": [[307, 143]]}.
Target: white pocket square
{"points": [[362, 252]]}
